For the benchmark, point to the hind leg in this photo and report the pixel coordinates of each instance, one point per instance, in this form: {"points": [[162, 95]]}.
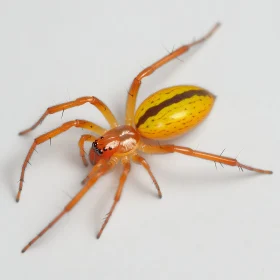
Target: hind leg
{"points": [[133, 91], [189, 152]]}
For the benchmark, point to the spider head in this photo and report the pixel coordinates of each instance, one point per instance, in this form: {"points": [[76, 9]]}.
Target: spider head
{"points": [[105, 146]]}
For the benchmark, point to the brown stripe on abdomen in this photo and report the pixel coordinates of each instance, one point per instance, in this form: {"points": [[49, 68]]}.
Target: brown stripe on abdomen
{"points": [[175, 99]]}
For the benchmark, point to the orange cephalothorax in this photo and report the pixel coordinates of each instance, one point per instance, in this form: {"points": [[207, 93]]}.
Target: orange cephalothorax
{"points": [[119, 141], [129, 139], [104, 147]]}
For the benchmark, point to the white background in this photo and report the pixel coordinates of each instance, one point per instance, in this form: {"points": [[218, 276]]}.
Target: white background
{"points": [[210, 224]]}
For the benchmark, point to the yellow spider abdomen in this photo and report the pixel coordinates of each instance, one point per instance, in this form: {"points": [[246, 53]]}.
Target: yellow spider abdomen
{"points": [[172, 111]]}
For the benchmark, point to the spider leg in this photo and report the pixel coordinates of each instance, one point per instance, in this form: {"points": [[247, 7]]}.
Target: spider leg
{"points": [[85, 137], [133, 91], [49, 136], [126, 169], [96, 167], [72, 203], [194, 153], [78, 102], [140, 160]]}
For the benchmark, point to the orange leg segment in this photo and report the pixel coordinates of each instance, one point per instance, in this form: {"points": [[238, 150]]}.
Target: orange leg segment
{"points": [[85, 137], [72, 203], [126, 169], [133, 91], [78, 102], [96, 167], [48, 136], [187, 151], [140, 160]]}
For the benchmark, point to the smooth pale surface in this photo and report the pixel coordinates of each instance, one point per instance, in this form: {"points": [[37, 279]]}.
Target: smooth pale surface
{"points": [[210, 224]]}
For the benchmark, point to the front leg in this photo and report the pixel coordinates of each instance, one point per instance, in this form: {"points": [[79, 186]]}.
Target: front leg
{"points": [[48, 136], [103, 170], [126, 169], [78, 102]]}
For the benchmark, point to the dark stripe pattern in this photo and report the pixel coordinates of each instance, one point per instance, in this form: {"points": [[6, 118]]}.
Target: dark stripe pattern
{"points": [[175, 99]]}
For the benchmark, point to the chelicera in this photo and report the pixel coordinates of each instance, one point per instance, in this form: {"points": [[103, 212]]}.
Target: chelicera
{"points": [[165, 114]]}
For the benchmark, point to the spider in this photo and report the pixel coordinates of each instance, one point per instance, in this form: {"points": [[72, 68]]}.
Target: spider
{"points": [[165, 114]]}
